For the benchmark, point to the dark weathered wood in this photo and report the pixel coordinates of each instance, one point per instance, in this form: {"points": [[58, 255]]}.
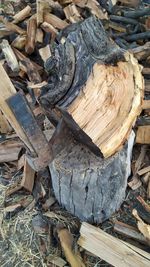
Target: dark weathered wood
{"points": [[25, 117], [90, 187]]}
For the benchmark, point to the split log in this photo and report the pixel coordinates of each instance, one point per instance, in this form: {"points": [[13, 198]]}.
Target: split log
{"points": [[97, 90], [114, 251], [92, 101], [143, 135], [31, 35]]}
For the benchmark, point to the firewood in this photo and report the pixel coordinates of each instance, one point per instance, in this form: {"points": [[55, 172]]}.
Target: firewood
{"points": [[14, 28], [142, 226], [8, 90], [9, 150], [146, 104], [55, 21], [42, 6], [9, 56], [130, 3], [66, 240], [28, 177], [72, 13], [144, 170], [39, 36], [137, 13], [19, 42], [13, 188], [143, 135], [49, 28], [114, 251], [145, 178], [65, 93], [23, 113], [30, 68], [141, 52], [129, 231], [148, 188], [4, 125], [45, 53], [146, 71], [135, 182], [24, 13], [31, 35], [147, 85]]}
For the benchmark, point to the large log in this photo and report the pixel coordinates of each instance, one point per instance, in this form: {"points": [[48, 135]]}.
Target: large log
{"points": [[88, 186], [94, 86], [98, 91]]}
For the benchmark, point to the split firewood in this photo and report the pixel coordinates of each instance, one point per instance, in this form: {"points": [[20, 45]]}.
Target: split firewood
{"points": [[147, 85], [142, 52], [30, 68], [49, 28], [135, 182], [21, 15], [144, 170], [8, 90], [144, 204], [39, 36], [143, 135], [130, 3], [129, 231], [145, 178], [55, 21], [4, 125], [112, 250], [9, 150], [31, 35], [148, 188], [143, 227], [14, 28], [27, 181], [66, 240], [9, 56], [114, 127], [146, 71], [42, 6], [72, 13], [146, 104], [45, 53], [19, 42]]}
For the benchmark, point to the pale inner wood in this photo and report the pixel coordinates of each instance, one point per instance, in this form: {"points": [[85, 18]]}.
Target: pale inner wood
{"points": [[109, 103]]}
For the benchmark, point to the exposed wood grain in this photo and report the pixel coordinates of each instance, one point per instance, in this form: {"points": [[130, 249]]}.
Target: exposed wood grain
{"points": [[21, 15], [55, 21], [31, 35], [10, 56], [112, 250], [8, 90], [4, 125], [143, 135], [28, 177], [9, 150]]}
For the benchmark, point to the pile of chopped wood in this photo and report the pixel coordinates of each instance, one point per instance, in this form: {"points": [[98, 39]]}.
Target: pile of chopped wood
{"points": [[45, 66]]}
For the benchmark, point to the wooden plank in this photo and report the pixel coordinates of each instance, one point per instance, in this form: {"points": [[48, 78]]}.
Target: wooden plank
{"points": [[28, 177], [7, 90], [114, 251], [143, 135]]}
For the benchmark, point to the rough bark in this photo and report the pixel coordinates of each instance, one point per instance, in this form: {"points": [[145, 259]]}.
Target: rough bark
{"points": [[88, 186]]}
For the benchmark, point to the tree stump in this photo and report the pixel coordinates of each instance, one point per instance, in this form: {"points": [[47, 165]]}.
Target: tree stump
{"points": [[96, 90], [88, 186]]}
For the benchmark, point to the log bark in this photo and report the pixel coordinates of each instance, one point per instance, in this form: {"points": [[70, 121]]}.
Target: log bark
{"points": [[88, 186], [94, 86]]}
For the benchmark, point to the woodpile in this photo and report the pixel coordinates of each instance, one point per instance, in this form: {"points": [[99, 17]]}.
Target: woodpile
{"points": [[74, 99]]}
